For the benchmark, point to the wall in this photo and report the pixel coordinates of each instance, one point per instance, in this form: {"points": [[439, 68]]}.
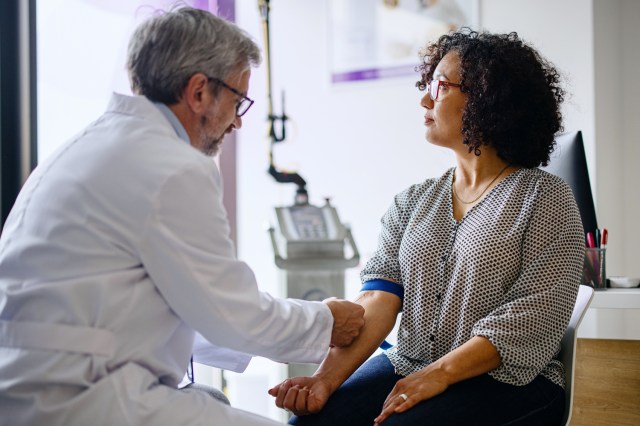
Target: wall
{"points": [[629, 202], [360, 143], [562, 32], [357, 143], [595, 44], [617, 61], [609, 112]]}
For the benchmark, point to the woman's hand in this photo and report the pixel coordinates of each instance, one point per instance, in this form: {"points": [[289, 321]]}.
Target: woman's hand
{"points": [[302, 395], [475, 357], [407, 392]]}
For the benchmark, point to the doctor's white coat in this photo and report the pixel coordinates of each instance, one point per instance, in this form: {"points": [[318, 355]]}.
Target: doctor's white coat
{"points": [[114, 255]]}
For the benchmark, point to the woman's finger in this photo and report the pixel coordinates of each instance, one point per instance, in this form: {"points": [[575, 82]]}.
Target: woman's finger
{"points": [[291, 397], [394, 404], [302, 402], [283, 388]]}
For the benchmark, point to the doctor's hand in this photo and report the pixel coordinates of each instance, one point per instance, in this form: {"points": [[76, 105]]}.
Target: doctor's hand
{"points": [[301, 395], [348, 319]]}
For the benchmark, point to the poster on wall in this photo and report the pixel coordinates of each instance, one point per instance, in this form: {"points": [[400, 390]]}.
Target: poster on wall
{"points": [[374, 39]]}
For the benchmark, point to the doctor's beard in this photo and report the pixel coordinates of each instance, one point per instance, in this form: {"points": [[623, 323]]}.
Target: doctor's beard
{"points": [[209, 142]]}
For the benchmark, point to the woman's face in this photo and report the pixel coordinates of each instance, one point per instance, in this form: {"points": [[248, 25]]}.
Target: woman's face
{"points": [[443, 117]]}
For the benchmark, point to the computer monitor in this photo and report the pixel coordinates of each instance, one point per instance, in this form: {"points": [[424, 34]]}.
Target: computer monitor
{"points": [[569, 162]]}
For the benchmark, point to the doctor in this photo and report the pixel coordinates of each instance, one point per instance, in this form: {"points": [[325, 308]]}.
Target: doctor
{"points": [[117, 251]]}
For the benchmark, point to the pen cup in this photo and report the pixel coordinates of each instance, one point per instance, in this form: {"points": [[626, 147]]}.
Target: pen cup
{"points": [[594, 272]]}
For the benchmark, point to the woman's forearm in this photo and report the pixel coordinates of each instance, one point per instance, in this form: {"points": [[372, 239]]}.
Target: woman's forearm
{"points": [[477, 356], [381, 311]]}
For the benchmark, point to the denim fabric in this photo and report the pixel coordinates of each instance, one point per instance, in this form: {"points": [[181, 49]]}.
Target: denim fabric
{"points": [[481, 400]]}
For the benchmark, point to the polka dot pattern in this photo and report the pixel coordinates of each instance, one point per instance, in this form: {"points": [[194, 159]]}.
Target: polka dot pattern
{"points": [[508, 271]]}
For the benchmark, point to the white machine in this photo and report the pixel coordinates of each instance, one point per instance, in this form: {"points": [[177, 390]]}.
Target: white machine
{"points": [[315, 241], [314, 238]]}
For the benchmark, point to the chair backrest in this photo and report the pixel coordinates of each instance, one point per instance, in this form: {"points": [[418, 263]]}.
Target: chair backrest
{"points": [[568, 346]]}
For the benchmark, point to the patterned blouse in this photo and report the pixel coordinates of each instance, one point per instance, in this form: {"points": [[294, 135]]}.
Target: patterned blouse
{"points": [[508, 271]]}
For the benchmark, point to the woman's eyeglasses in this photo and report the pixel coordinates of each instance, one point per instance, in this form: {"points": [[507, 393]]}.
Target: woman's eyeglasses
{"points": [[434, 87]]}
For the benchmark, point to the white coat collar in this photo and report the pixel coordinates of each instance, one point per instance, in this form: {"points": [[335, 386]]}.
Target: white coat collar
{"points": [[173, 119], [140, 106]]}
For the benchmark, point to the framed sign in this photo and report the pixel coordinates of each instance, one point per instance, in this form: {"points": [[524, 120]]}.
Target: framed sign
{"points": [[373, 39]]}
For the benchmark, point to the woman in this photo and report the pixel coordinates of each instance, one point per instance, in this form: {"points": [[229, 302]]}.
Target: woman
{"points": [[484, 262]]}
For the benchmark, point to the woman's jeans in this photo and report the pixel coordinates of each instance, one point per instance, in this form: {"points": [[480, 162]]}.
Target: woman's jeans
{"points": [[481, 400]]}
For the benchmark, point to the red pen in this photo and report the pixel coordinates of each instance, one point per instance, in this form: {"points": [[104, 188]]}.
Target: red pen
{"points": [[605, 236], [591, 242]]}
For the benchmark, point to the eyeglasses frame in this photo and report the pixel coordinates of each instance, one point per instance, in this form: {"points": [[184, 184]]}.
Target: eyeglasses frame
{"points": [[440, 83], [244, 98]]}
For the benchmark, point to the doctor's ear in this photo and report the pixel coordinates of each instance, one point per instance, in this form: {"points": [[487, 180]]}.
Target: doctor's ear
{"points": [[197, 93]]}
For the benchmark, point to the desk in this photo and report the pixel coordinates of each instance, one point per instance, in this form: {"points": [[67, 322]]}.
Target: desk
{"points": [[607, 377]]}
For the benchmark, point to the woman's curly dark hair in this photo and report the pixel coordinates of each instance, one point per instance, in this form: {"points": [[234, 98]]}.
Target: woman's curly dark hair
{"points": [[514, 94]]}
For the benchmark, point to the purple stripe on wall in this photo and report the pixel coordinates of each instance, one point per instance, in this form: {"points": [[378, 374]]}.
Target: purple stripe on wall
{"points": [[374, 73], [203, 4], [223, 8], [227, 9]]}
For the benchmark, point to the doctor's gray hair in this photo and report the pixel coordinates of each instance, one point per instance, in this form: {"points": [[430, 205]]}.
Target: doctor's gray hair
{"points": [[168, 49]]}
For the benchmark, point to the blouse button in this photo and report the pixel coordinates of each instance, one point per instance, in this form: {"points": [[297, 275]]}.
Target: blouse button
{"points": [[443, 258], [432, 337], [438, 296]]}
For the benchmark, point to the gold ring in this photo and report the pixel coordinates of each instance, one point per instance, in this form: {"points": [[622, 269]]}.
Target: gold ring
{"points": [[403, 396]]}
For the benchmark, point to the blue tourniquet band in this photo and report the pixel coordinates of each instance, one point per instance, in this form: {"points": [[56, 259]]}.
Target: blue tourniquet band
{"points": [[384, 285], [389, 287], [385, 345]]}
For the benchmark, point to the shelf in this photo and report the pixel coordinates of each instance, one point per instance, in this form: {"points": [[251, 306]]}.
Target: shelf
{"points": [[616, 298], [614, 314]]}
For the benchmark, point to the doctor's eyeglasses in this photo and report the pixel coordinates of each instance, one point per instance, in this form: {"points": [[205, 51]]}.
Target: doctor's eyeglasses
{"points": [[434, 87], [243, 104]]}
